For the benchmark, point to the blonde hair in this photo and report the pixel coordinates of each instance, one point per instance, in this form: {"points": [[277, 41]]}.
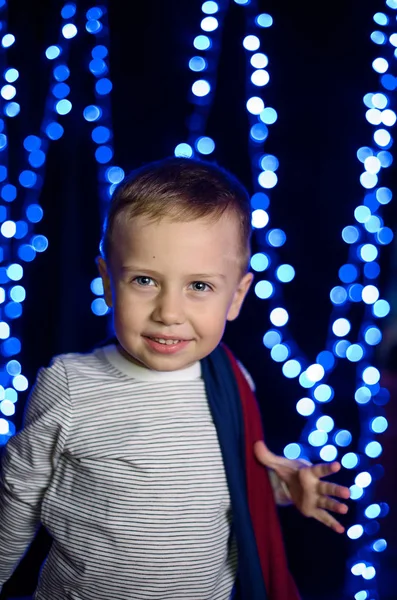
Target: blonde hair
{"points": [[182, 190]]}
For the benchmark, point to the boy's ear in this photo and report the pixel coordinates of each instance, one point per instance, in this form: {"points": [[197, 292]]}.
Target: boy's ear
{"points": [[239, 296], [104, 273]]}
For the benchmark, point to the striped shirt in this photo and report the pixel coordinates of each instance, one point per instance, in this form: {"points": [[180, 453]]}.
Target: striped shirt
{"points": [[123, 467]]}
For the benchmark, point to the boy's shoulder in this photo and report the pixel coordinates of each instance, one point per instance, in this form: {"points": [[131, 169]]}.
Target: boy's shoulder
{"points": [[92, 363]]}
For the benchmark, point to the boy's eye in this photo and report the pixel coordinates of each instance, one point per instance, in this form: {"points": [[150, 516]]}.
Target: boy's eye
{"points": [[200, 286], [143, 281]]}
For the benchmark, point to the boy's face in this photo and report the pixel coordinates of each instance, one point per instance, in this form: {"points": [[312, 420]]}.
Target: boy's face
{"points": [[172, 287]]}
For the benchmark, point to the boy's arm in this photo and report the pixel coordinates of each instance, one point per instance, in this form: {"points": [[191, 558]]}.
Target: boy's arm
{"points": [[28, 462]]}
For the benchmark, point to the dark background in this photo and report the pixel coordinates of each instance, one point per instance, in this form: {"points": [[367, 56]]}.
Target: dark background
{"points": [[320, 65]]}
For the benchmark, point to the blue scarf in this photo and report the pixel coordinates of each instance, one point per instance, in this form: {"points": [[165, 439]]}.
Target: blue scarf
{"points": [[262, 567]]}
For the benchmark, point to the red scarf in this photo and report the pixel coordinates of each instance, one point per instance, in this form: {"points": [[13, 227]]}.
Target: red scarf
{"points": [[262, 507]]}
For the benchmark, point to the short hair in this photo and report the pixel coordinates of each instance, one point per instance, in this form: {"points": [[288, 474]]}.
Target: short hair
{"points": [[180, 189]]}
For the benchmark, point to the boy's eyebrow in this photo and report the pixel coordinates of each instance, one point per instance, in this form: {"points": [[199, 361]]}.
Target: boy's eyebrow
{"points": [[191, 275]]}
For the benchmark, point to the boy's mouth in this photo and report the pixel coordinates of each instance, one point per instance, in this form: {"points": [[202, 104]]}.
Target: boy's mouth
{"points": [[166, 345], [166, 342]]}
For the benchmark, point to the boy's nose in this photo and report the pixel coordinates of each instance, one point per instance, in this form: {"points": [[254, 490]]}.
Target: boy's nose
{"points": [[169, 309]]}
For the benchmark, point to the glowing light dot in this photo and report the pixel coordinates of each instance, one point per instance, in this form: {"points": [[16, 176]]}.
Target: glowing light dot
{"points": [[305, 407], [264, 20], [7, 40], [318, 438], [338, 295], [259, 218], [197, 63], [8, 92], [362, 214], [362, 395], [285, 273], [201, 88], [259, 60], [380, 65], [356, 492], [368, 252], [371, 375], [292, 368], [389, 118], [355, 531], [350, 461], [267, 179], [20, 383], [315, 372], [15, 272], [115, 174], [255, 105], [279, 317], [379, 100], [323, 393], [53, 52], [343, 438], [205, 145], [8, 229], [183, 150], [69, 31], [209, 24], [370, 294], [358, 569], [369, 573], [259, 262], [260, 77], [264, 289], [381, 308], [251, 43], [268, 116], [259, 132], [202, 42], [341, 327], [325, 423], [384, 195], [210, 8], [379, 545], [11, 75], [368, 180], [99, 307], [382, 137], [363, 479], [379, 424], [271, 338], [7, 408], [292, 451], [63, 107], [373, 449]]}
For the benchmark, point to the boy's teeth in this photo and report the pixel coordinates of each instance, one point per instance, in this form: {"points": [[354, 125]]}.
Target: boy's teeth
{"points": [[166, 342]]}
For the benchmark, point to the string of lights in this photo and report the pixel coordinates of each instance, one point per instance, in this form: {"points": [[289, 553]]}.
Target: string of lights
{"points": [[100, 116], [204, 63], [370, 396], [26, 192]]}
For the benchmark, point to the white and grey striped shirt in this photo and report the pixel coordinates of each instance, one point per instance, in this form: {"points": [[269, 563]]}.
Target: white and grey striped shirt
{"points": [[122, 465]]}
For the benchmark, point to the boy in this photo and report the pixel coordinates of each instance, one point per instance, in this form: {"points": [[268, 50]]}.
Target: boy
{"points": [[132, 456]]}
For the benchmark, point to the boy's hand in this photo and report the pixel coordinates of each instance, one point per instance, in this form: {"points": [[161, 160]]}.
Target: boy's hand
{"points": [[309, 494]]}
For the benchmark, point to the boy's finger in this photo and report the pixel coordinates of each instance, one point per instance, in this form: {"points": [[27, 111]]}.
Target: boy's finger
{"points": [[326, 488], [331, 504], [325, 469], [324, 517]]}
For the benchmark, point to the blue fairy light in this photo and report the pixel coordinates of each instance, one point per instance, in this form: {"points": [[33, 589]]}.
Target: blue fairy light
{"points": [[271, 338], [292, 451], [183, 150]]}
